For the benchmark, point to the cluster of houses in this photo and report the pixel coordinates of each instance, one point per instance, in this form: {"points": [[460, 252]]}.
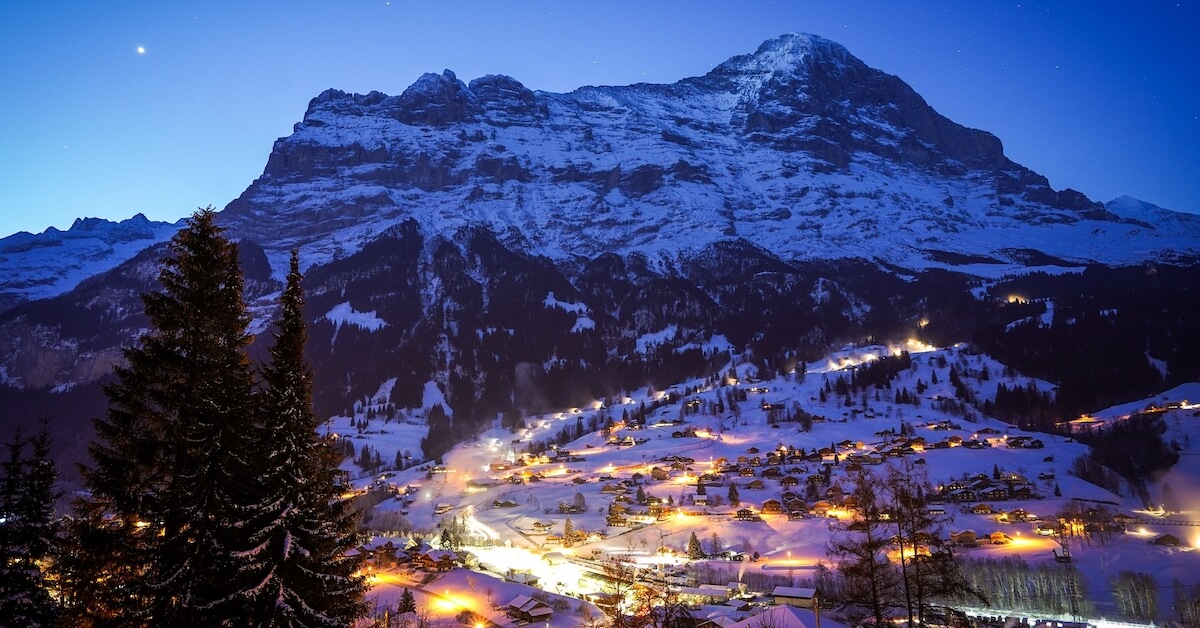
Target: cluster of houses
{"points": [[415, 554], [968, 538], [569, 538], [982, 487], [1025, 442]]}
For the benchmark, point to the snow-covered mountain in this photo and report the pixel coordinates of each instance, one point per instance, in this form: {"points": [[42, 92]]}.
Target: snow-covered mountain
{"points": [[518, 251], [37, 266], [799, 148]]}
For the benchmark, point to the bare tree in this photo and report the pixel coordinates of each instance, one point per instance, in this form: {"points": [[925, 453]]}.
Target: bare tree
{"points": [[928, 567], [860, 550], [589, 618], [620, 581], [656, 607], [1187, 603], [1136, 595]]}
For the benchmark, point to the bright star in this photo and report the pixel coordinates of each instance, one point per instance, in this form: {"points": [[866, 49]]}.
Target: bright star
{"points": [[141, 50]]}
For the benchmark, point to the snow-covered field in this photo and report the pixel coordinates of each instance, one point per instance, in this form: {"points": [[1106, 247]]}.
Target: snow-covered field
{"points": [[476, 481]]}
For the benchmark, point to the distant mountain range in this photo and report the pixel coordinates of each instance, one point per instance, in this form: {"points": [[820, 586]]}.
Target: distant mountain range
{"points": [[493, 240]]}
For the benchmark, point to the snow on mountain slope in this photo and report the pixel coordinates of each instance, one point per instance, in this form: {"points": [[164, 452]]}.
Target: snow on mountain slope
{"points": [[36, 266], [493, 480], [799, 148]]}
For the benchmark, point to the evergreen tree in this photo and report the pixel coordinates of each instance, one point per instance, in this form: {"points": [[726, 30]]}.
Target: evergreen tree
{"points": [[28, 533], [408, 603], [169, 482], [694, 550], [715, 544], [300, 574], [734, 498]]}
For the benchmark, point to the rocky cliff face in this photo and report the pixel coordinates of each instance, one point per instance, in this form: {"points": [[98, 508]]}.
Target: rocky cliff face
{"points": [[799, 148]]}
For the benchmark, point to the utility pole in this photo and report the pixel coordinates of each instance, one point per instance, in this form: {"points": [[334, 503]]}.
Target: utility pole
{"points": [[1065, 557]]}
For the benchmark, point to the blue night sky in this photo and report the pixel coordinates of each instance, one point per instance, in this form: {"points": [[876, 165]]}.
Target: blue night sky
{"points": [[1100, 96]]}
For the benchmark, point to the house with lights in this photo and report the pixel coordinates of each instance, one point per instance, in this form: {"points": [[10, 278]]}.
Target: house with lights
{"points": [[528, 609]]}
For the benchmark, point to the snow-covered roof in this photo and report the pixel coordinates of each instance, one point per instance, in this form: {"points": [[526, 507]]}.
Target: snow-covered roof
{"points": [[787, 617], [798, 592]]}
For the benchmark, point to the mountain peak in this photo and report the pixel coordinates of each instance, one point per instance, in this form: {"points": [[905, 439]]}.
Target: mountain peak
{"points": [[798, 147], [437, 100], [787, 55]]}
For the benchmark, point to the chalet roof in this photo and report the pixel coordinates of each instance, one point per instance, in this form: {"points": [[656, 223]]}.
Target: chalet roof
{"points": [[706, 590], [437, 556], [530, 606], [797, 592], [787, 617]]}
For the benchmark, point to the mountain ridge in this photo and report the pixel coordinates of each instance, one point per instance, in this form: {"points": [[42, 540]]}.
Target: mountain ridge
{"points": [[772, 147], [46, 264], [788, 202]]}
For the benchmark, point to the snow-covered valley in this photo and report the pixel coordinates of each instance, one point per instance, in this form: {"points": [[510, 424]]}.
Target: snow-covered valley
{"points": [[635, 493]]}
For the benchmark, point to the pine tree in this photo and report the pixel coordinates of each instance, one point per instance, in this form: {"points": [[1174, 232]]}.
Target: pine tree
{"points": [[28, 533], [13, 574], [300, 574], [172, 457], [694, 550], [408, 602], [734, 498]]}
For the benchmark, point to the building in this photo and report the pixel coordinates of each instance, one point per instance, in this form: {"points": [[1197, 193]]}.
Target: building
{"points": [[795, 596], [773, 507], [703, 594], [437, 560], [528, 609], [745, 514], [1166, 539], [521, 577], [785, 617], [965, 538]]}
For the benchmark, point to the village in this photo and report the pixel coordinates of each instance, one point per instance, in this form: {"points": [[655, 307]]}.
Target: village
{"points": [[728, 511]]}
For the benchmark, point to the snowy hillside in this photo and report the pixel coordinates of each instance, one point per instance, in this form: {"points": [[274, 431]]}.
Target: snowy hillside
{"points": [[519, 502]]}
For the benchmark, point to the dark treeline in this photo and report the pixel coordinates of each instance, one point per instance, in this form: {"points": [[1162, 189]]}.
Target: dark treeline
{"points": [[1106, 322], [1133, 448]]}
